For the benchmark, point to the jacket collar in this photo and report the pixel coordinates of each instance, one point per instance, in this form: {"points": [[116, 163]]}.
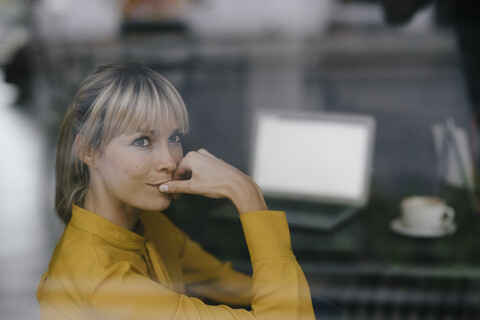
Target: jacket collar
{"points": [[106, 230]]}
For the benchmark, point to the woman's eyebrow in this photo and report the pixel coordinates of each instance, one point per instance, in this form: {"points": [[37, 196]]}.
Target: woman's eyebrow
{"points": [[145, 131], [156, 133]]}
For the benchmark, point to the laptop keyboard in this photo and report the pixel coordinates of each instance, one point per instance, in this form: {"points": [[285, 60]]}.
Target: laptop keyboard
{"points": [[307, 216], [319, 218]]}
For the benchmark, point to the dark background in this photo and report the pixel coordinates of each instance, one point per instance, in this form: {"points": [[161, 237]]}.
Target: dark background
{"points": [[408, 76]]}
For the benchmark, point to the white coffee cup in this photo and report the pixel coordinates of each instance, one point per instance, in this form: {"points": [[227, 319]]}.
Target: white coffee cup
{"points": [[426, 212]]}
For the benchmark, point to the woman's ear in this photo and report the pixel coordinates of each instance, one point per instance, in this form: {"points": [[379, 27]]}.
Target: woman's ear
{"points": [[86, 156]]}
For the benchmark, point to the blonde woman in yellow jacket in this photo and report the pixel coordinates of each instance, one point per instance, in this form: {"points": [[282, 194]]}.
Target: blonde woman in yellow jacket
{"points": [[119, 163]]}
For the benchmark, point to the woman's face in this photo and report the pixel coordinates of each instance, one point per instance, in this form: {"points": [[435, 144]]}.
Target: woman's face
{"points": [[132, 166]]}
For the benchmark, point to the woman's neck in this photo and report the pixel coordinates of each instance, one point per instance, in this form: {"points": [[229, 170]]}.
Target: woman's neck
{"points": [[119, 213]]}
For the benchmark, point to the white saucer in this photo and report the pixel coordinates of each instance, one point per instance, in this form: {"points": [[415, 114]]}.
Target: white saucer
{"points": [[398, 226]]}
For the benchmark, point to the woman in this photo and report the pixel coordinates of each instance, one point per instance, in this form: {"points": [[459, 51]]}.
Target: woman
{"points": [[119, 162]]}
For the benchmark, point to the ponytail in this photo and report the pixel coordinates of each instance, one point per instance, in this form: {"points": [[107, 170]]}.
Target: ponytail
{"points": [[71, 174]]}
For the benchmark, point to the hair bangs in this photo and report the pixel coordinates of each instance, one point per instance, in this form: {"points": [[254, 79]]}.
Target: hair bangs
{"points": [[143, 105], [117, 98]]}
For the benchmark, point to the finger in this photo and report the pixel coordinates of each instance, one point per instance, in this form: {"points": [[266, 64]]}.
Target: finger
{"points": [[184, 174], [204, 152], [185, 166], [183, 171], [207, 154], [175, 187]]}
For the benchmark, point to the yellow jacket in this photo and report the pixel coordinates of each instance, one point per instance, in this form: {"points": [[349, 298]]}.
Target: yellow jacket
{"points": [[102, 271]]}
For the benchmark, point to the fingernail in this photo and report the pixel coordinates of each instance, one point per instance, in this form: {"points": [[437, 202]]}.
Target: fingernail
{"points": [[163, 188]]}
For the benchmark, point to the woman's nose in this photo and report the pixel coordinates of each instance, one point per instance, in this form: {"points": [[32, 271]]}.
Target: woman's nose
{"points": [[165, 160]]}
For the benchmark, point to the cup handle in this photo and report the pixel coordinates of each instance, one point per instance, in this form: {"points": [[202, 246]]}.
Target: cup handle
{"points": [[448, 217]]}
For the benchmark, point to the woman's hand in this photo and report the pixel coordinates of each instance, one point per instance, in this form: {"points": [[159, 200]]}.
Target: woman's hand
{"points": [[203, 174]]}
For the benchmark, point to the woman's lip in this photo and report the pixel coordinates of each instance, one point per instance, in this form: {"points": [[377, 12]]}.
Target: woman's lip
{"points": [[158, 184]]}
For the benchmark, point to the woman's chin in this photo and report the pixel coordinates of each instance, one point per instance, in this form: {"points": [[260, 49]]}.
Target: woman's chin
{"points": [[157, 204]]}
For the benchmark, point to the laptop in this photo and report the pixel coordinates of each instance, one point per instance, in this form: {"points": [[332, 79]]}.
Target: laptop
{"points": [[315, 166]]}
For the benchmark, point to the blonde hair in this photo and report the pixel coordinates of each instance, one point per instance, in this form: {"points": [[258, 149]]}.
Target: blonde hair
{"points": [[116, 98]]}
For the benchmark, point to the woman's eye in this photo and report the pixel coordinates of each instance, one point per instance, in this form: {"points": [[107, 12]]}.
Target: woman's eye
{"points": [[176, 138], [142, 142]]}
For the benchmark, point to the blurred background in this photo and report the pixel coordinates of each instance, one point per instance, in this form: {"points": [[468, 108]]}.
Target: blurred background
{"points": [[404, 66]]}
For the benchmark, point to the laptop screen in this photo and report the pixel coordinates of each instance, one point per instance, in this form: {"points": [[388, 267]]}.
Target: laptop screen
{"points": [[321, 157]]}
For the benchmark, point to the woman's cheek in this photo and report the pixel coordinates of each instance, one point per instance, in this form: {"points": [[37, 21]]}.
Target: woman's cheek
{"points": [[179, 154]]}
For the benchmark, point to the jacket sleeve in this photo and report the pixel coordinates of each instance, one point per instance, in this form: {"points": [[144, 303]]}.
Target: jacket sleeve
{"points": [[207, 277], [279, 288]]}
